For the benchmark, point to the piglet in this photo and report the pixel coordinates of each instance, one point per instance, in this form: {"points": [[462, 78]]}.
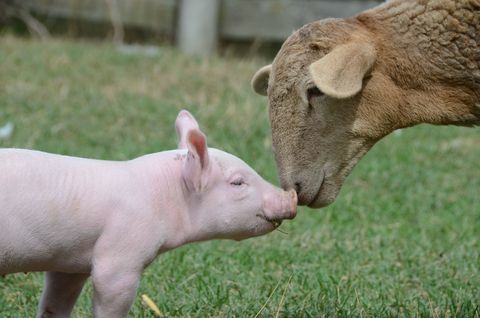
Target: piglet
{"points": [[75, 217]]}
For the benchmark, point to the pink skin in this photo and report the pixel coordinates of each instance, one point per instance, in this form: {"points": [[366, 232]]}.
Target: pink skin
{"points": [[76, 218]]}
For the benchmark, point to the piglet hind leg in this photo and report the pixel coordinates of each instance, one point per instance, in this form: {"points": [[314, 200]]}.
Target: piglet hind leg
{"points": [[60, 293]]}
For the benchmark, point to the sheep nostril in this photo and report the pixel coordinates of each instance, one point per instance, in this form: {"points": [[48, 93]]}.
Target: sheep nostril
{"points": [[298, 187]]}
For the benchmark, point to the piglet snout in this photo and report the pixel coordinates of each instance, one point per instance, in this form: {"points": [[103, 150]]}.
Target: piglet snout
{"points": [[280, 205], [293, 203], [292, 199]]}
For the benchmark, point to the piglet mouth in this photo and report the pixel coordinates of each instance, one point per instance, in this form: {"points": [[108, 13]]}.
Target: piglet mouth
{"points": [[275, 222]]}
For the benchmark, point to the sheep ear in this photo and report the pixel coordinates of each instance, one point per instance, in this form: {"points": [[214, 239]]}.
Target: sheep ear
{"points": [[260, 80], [340, 73], [184, 123]]}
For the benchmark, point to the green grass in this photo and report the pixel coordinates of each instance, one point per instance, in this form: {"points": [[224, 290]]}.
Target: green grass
{"points": [[401, 240]]}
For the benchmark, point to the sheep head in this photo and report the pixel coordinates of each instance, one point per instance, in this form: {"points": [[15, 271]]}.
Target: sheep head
{"points": [[337, 86], [324, 92]]}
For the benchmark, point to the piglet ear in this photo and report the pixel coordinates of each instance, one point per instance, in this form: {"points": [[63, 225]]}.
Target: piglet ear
{"points": [[197, 164], [184, 123]]}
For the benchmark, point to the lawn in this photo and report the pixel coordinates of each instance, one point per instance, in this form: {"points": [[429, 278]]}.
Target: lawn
{"points": [[402, 239]]}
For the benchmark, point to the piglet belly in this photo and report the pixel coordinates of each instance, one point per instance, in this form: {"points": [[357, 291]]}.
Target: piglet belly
{"points": [[37, 237], [47, 221]]}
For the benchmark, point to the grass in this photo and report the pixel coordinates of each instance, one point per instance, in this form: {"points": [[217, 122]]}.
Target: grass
{"points": [[401, 240]]}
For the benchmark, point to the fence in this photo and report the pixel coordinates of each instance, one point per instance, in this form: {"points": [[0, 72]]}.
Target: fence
{"points": [[197, 24]]}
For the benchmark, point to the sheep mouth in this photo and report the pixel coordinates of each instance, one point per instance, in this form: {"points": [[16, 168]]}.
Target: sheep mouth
{"points": [[311, 201], [315, 197], [274, 222]]}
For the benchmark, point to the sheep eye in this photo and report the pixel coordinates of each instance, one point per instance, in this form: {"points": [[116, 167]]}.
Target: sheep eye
{"points": [[313, 92], [237, 182]]}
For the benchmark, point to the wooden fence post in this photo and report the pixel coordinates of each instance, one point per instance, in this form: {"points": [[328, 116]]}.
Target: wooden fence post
{"points": [[197, 29]]}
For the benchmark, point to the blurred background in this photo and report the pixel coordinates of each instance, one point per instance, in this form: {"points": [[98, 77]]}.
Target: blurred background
{"points": [[106, 78], [199, 27]]}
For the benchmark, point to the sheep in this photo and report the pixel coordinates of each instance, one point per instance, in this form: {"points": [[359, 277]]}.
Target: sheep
{"points": [[337, 86]]}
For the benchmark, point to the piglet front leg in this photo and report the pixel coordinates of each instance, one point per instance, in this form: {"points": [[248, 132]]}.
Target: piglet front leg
{"points": [[114, 291], [120, 256]]}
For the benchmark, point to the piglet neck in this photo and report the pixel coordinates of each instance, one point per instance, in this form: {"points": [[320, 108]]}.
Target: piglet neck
{"points": [[182, 223], [160, 176], [188, 223], [201, 224]]}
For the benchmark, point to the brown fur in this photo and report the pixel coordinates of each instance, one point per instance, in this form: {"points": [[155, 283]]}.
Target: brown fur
{"points": [[424, 67]]}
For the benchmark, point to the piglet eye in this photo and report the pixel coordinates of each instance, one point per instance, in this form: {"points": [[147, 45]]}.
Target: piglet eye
{"points": [[237, 182]]}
